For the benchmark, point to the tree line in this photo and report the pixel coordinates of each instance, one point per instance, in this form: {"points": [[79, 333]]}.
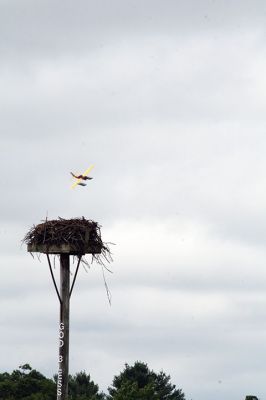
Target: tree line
{"points": [[135, 382]]}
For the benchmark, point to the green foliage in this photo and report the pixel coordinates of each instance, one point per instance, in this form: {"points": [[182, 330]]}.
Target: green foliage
{"points": [[130, 391], [81, 387], [25, 367], [138, 382], [26, 384], [135, 382]]}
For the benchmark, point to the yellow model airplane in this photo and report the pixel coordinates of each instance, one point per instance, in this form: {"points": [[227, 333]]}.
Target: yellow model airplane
{"points": [[80, 178]]}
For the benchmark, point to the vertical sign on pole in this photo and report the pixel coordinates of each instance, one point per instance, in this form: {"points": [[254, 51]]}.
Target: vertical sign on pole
{"points": [[63, 357]]}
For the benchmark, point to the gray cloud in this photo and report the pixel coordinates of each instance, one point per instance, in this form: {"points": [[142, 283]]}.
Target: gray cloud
{"points": [[167, 100]]}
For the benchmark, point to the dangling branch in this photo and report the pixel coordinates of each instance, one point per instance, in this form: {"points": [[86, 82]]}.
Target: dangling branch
{"points": [[58, 295], [108, 293]]}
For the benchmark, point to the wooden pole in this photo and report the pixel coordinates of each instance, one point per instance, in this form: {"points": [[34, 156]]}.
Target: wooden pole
{"points": [[62, 380]]}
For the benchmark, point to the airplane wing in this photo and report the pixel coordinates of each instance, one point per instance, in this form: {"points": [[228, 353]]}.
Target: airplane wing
{"points": [[80, 179], [88, 170]]}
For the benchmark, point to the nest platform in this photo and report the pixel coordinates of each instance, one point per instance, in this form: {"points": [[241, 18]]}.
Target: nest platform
{"points": [[77, 236]]}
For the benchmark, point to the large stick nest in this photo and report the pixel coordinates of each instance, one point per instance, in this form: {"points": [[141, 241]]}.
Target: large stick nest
{"points": [[76, 232]]}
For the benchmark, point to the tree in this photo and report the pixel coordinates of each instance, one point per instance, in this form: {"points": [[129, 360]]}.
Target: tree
{"points": [[138, 382], [81, 387], [25, 367], [135, 382], [26, 383]]}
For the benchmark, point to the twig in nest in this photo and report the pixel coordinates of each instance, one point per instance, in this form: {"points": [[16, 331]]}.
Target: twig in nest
{"points": [[85, 264], [45, 230]]}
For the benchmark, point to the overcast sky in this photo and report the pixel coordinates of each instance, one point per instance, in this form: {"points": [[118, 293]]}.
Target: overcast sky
{"points": [[167, 99]]}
